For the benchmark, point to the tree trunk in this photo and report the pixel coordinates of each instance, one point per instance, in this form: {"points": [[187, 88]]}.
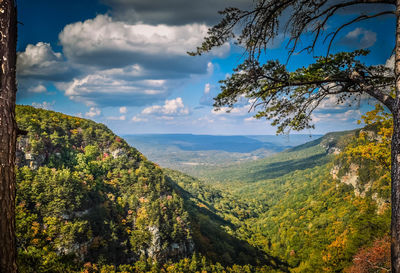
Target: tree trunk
{"points": [[395, 226], [395, 175], [8, 135]]}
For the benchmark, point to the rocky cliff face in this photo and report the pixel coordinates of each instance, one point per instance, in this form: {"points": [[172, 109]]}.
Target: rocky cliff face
{"points": [[351, 177], [360, 173]]}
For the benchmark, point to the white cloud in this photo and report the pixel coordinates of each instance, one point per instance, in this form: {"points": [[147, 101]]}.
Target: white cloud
{"points": [[349, 115], [41, 62], [165, 118], [173, 107], [116, 87], [206, 119], [331, 103], [123, 117], [40, 88], [210, 68], [93, 112], [120, 43], [44, 105], [106, 62], [210, 92], [359, 38], [125, 64], [207, 89], [236, 111], [139, 119], [123, 110], [250, 119]]}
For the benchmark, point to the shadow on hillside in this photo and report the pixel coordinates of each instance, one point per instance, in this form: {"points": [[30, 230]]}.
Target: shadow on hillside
{"points": [[277, 169], [213, 241]]}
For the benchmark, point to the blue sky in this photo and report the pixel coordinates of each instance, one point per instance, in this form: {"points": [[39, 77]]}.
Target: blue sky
{"points": [[124, 63]]}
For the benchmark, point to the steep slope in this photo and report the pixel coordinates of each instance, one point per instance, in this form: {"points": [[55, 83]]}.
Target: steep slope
{"points": [[315, 153], [311, 218], [216, 218], [85, 195], [86, 198], [305, 220]]}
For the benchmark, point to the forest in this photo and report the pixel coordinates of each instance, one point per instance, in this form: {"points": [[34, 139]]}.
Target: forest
{"points": [[88, 202], [76, 197]]}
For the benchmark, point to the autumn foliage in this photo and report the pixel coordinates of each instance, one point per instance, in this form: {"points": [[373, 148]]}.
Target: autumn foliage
{"points": [[375, 258]]}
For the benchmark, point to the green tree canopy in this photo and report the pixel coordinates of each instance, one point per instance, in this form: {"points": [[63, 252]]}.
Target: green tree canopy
{"points": [[289, 98]]}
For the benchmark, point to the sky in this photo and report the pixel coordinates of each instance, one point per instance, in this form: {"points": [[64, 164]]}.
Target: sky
{"points": [[124, 63]]}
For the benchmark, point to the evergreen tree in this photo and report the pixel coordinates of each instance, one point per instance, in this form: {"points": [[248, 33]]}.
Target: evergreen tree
{"points": [[289, 98]]}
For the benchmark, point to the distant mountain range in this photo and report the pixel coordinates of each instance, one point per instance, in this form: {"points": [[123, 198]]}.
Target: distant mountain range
{"points": [[186, 151], [235, 144]]}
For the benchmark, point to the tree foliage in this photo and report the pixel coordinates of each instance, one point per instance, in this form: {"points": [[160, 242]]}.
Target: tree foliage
{"points": [[102, 207], [85, 195], [289, 98], [88, 200], [370, 151]]}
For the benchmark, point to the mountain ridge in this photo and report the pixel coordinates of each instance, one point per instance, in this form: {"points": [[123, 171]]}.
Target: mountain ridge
{"points": [[86, 199], [86, 196]]}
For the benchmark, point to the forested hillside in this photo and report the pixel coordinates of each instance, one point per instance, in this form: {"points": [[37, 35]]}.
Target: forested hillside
{"points": [[88, 202], [85, 195], [320, 203]]}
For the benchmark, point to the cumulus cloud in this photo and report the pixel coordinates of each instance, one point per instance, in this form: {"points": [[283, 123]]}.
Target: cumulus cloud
{"points": [[44, 105], [332, 105], [117, 63], [210, 68], [174, 107], [165, 118], [116, 87], [359, 38], [207, 88], [108, 62], [139, 119], [123, 110], [206, 119], [173, 12], [349, 115], [122, 118], [40, 88], [236, 111], [210, 92], [41, 62], [250, 119], [242, 108], [93, 112], [104, 42]]}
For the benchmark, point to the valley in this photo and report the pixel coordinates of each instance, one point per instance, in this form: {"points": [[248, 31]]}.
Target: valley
{"points": [[193, 153], [89, 202]]}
